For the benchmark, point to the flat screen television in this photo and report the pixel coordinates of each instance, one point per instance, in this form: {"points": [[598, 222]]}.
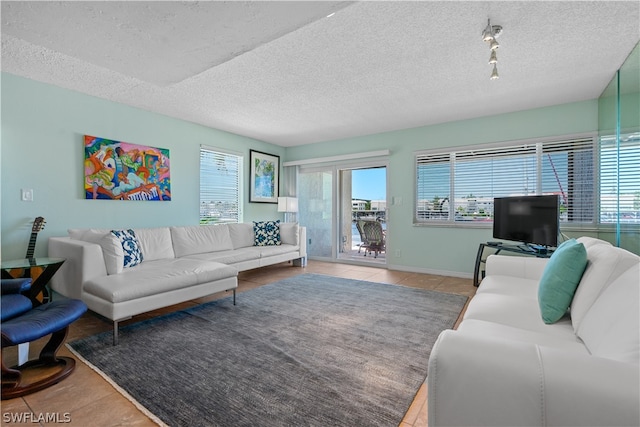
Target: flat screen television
{"points": [[532, 220]]}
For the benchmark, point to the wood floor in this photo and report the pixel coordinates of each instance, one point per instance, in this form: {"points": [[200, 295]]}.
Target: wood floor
{"points": [[86, 399]]}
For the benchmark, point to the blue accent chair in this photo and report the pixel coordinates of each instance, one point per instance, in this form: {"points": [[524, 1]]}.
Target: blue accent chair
{"points": [[22, 322]]}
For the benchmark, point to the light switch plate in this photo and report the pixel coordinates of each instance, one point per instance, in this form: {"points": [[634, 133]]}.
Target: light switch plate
{"points": [[27, 195]]}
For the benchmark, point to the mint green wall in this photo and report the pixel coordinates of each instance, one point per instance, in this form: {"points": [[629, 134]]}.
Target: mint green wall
{"points": [[447, 249], [42, 149]]}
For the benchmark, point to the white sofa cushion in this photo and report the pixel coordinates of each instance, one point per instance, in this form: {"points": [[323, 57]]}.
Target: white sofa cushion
{"points": [[611, 327], [241, 235], [156, 277], [198, 239], [605, 264], [230, 257], [505, 285], [517, 312], [481, 328], [590, 241], [289, 233], [155, 243]]}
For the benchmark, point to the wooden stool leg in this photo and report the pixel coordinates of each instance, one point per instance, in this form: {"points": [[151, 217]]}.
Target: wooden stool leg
{"points": [[48, 353], [10, 377]]}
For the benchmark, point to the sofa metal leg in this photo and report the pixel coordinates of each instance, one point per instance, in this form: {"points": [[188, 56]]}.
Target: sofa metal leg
{"points": [[234, 297], [115, 329], [115, 332]]}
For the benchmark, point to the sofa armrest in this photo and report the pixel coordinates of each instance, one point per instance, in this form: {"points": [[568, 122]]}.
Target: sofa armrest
{"points": [[515, 266], [84, 261], [478, 381]]}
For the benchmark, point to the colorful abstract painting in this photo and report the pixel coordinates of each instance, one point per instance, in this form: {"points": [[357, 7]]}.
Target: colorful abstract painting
{"points": [[118, 170]]}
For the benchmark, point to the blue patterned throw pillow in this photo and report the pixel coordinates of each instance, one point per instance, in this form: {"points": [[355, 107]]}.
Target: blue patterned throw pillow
{"points": [[130, 247], [267, 233]]}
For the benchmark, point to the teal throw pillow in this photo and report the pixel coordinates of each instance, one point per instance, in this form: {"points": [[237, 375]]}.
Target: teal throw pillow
{"points": [[560, 280], [267, 233]]}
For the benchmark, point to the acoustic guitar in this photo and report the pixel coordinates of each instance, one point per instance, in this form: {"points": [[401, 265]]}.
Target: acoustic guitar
{"points": [[38, 225], [34, 271]]}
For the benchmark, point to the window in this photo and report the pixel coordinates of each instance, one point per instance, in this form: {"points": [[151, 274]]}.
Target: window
{"points": [[220, 184], [620, 179], [459, 187]]}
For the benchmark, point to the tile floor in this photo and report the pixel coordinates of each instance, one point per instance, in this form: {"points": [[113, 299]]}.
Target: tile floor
{"points": [[86, 399]]}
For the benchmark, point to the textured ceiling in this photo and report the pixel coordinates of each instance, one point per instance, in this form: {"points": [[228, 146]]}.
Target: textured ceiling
{"points": [[285, 73]]}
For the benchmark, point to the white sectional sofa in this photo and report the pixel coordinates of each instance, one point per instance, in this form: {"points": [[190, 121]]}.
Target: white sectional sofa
{"points": [[504, 366], [178, 264]]}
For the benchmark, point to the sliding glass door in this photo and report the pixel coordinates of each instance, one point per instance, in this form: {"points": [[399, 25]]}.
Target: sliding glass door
{"points": [[333, 201]]}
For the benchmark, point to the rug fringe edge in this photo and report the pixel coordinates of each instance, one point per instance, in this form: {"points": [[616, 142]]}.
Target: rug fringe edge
{"points": [[119, 389]]}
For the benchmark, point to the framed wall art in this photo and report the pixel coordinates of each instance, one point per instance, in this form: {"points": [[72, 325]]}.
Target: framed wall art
{"points": [[116, 170], [264, 174]]}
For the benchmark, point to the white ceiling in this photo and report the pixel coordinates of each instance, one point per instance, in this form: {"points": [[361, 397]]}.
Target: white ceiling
{"points": [[285, 73]]}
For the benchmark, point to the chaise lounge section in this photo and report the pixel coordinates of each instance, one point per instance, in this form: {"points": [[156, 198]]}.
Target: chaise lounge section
{"points": [[169, 265]]}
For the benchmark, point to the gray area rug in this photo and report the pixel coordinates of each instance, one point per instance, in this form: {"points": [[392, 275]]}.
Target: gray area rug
{"points": [[311, 350]]}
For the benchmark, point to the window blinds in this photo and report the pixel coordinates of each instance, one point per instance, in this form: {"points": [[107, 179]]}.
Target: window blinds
{"points": [[460, 186], [620, 179], [220, 184]]}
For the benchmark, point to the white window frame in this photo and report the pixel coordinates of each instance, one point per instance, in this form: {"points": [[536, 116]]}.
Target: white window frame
{"points": [[216, 200]]}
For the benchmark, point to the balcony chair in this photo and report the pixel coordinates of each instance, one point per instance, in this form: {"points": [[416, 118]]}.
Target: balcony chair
{"points": [[23, 321], [372, 236]]}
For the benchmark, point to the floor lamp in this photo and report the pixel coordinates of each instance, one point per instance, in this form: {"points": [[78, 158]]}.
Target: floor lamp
{"points": [[288, 205]]}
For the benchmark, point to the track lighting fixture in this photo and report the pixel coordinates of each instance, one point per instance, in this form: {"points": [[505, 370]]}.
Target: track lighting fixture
{"points": [[489, 35]]}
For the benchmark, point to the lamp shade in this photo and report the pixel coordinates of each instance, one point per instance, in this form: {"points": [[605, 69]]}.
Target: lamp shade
{"points": [[287, 204]]}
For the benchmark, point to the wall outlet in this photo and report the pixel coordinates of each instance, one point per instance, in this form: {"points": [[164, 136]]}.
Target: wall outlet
{"points": [[398, 253]]}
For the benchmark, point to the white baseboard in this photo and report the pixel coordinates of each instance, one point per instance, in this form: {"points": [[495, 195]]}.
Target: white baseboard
{"points": [[430, 271]]}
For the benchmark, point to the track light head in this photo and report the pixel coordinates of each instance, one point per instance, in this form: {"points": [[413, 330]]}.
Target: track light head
{"points": [[494, 73]]}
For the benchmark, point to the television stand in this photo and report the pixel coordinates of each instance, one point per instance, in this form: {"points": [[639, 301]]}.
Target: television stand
{"points": [[521, 249]]}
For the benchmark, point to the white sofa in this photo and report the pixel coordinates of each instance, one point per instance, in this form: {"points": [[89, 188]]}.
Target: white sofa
{"points": [[504, 366], [179, 264]]}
